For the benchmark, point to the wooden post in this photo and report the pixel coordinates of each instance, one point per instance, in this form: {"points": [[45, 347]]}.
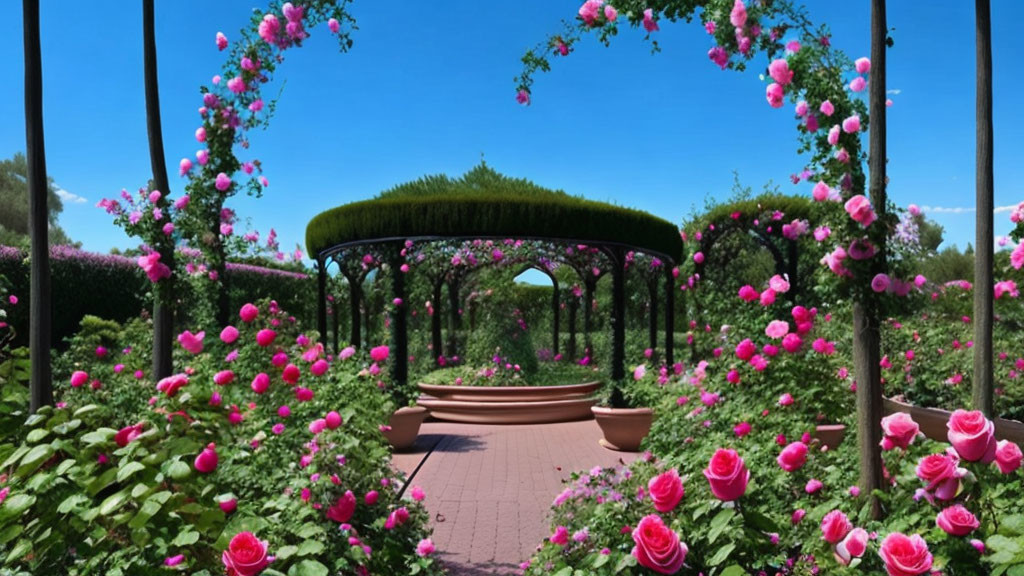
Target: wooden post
{"points": [[866, 333], [40, 311], [984, 184], [399, 322], [436, 340], [588, 313], [573, 305], [163, 291], [455, 320], [321, 310], [556, 309], [670, 316], [652, 325], [618, 314]]}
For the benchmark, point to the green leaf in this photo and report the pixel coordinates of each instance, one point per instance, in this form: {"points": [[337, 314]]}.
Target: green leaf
{"points": [[286, 552], [148, 510], [185, 538], [128, 469], [178, 470], [722, 554], [308, 568], [600, 560], [36, 435], [16, 504], [309, 530], [310, 547], [567, 571], [98, 436], [11, 532], [719, 523], [72, 502], [13, 458], [88, 408], [34, 459], [113, 502], [733, 570], [19, 550]]}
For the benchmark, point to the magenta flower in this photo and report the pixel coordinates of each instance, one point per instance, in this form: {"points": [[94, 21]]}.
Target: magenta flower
{"points": [[738, 15], [780, 72], [863, 65], [223, 182], [333, 25], [880, 282], [852, 124], [523, 97], [719, 56], [650, 25], [222, 41], [774, 94]]}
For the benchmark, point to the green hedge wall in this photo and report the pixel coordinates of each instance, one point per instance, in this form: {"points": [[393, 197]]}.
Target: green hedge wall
{"points": [[484, 203], [114, 287]]}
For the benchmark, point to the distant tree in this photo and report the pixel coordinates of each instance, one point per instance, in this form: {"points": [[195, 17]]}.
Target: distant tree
{"points": [[14, 199], [949, 264], [930, 234]]}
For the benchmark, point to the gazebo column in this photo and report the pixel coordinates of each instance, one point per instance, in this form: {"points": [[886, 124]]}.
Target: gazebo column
{"points": [[399, 321], [573, 306], [321, 311], [334, 322], [652, 299], [670, 316], [556, 312], [455, 322], [588, 312], [618, 314], [436, 342]]}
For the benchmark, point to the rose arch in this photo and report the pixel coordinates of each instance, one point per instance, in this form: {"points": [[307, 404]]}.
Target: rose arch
{"points": [[486, 206]]}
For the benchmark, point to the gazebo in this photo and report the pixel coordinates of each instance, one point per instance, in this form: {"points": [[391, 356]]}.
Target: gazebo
{"points": [[485, 205]]}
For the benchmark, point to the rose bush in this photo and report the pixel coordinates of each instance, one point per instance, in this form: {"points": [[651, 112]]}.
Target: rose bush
{"points": [[168, 481]]}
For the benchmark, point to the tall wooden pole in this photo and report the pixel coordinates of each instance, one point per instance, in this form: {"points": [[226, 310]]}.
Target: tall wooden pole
{"points": [[984, 184], [616, 256], [670, 316], [163, 291], [866, 332], [321, 297], [40, 311]]}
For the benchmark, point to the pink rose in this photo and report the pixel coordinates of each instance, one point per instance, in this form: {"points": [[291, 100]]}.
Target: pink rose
{"points": [[224, 377], [128, 434], [172, 384], [206, 461], [942, 474], [727, 475], [343, 508], [1008, 456], [560, 537], [229, 505], [260, 383], [972, 435], [859, 208], [957, 520], [793, 457], [777, 329], [657, 547], [851, 547], [379, 353], [835, 526], [193, 343], [79, 378], [905, 555], [424, 548], [265, 337], [248, 313], [780, 72], [899, 430], [666, 490], [229, 334], [246, 555]]}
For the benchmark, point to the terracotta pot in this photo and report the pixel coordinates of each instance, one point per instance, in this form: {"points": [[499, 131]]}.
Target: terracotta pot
{"points": [[623, 428], [528, 412], [405, 427], [933, 422], [830, 435], [509, 393]]}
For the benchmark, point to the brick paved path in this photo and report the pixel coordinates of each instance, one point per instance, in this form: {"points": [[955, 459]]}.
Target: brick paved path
{"points": [[489, 487]]}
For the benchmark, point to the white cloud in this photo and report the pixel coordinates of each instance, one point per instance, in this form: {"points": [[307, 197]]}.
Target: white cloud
{"points": [[894, 91], [70, 197], [961, 209]]}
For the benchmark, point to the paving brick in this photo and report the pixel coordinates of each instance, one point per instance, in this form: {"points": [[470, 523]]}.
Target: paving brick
{"points": [[489, 488]]}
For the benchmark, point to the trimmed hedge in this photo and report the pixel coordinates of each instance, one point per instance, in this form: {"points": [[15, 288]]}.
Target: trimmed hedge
{"points": [[484, 203], [113, 287]]}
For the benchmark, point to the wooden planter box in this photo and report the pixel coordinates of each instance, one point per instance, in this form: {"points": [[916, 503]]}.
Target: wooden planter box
{"points": [[933, 422]]}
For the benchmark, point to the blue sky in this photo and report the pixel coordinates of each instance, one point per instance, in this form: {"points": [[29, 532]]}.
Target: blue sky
{"points": [[428, 88]]}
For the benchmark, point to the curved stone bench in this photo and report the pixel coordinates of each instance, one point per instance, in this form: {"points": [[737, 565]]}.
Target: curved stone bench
{"points": [[510, 393], [506, 412]]}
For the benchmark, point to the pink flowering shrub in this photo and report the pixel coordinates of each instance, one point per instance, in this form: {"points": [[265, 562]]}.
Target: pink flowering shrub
{"points": [[164, 471]]}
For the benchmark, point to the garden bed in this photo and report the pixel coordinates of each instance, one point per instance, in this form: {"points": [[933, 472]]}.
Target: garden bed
{"points": [[509, 404]]}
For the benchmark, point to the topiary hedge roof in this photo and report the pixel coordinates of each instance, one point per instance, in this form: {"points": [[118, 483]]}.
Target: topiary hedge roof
{"points": [[484, 203]]}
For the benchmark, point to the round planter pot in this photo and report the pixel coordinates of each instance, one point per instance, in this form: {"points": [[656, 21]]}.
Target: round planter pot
{"points": [[405, 427], [623, 428], [830, 435]]}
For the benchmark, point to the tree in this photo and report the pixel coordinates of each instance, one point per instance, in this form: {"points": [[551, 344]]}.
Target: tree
{"points": [[163, 292], [40, 313], [983, 281], [14, 219]]}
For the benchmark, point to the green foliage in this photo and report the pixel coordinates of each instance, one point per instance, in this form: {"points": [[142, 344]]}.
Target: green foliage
{"points": [[14, 199], [78, 502], [485, 204], [548, 374]]}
